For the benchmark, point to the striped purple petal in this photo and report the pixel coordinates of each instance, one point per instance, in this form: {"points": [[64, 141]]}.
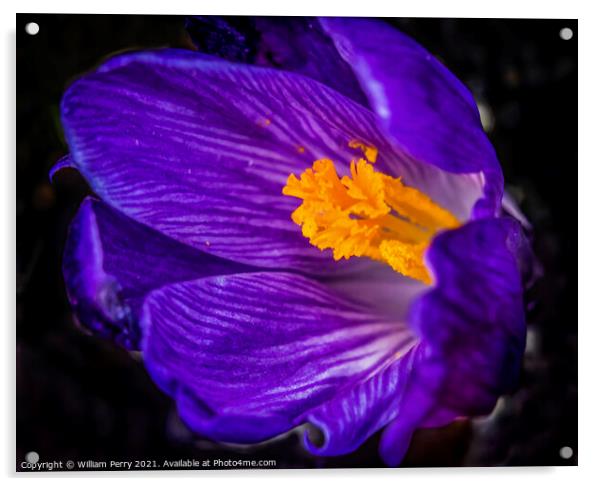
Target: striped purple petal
{"points": [[406, 389], [248, 356], [111, 263], [200, 151]]}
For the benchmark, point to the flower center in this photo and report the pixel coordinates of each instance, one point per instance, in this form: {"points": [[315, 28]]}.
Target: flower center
{"points": [[367, 213]]}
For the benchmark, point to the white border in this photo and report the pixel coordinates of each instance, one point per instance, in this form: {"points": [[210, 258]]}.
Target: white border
{"points": [[424, 8], [590, 217]]}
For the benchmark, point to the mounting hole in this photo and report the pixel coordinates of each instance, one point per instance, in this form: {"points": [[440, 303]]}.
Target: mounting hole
{"points": [[566, 452], [32, 28], [566, 33], [32, 457]]}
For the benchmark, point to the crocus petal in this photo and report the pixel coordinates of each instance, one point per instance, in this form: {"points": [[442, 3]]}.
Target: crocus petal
{"points": [[249, 356], [424, 107], [64, 162], [111, 263], [420, 399], [479, 304], [473, 322], [407, 388], [200, 151], [297, 44]]}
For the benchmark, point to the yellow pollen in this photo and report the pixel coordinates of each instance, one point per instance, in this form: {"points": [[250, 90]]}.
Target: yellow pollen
{"points": [[367, 213], [369, 152]]}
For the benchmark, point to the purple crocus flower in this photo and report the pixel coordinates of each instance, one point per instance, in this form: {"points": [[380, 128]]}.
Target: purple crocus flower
{"points": [[224, 190]]}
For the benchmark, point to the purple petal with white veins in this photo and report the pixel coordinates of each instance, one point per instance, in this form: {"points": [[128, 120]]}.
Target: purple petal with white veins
{"points": [[248, 356], [200, 151], [111, 263], [406, 389], [424, 107]]}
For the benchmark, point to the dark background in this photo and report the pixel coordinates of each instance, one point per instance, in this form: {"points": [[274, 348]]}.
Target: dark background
{"points": [[79, 397]]}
